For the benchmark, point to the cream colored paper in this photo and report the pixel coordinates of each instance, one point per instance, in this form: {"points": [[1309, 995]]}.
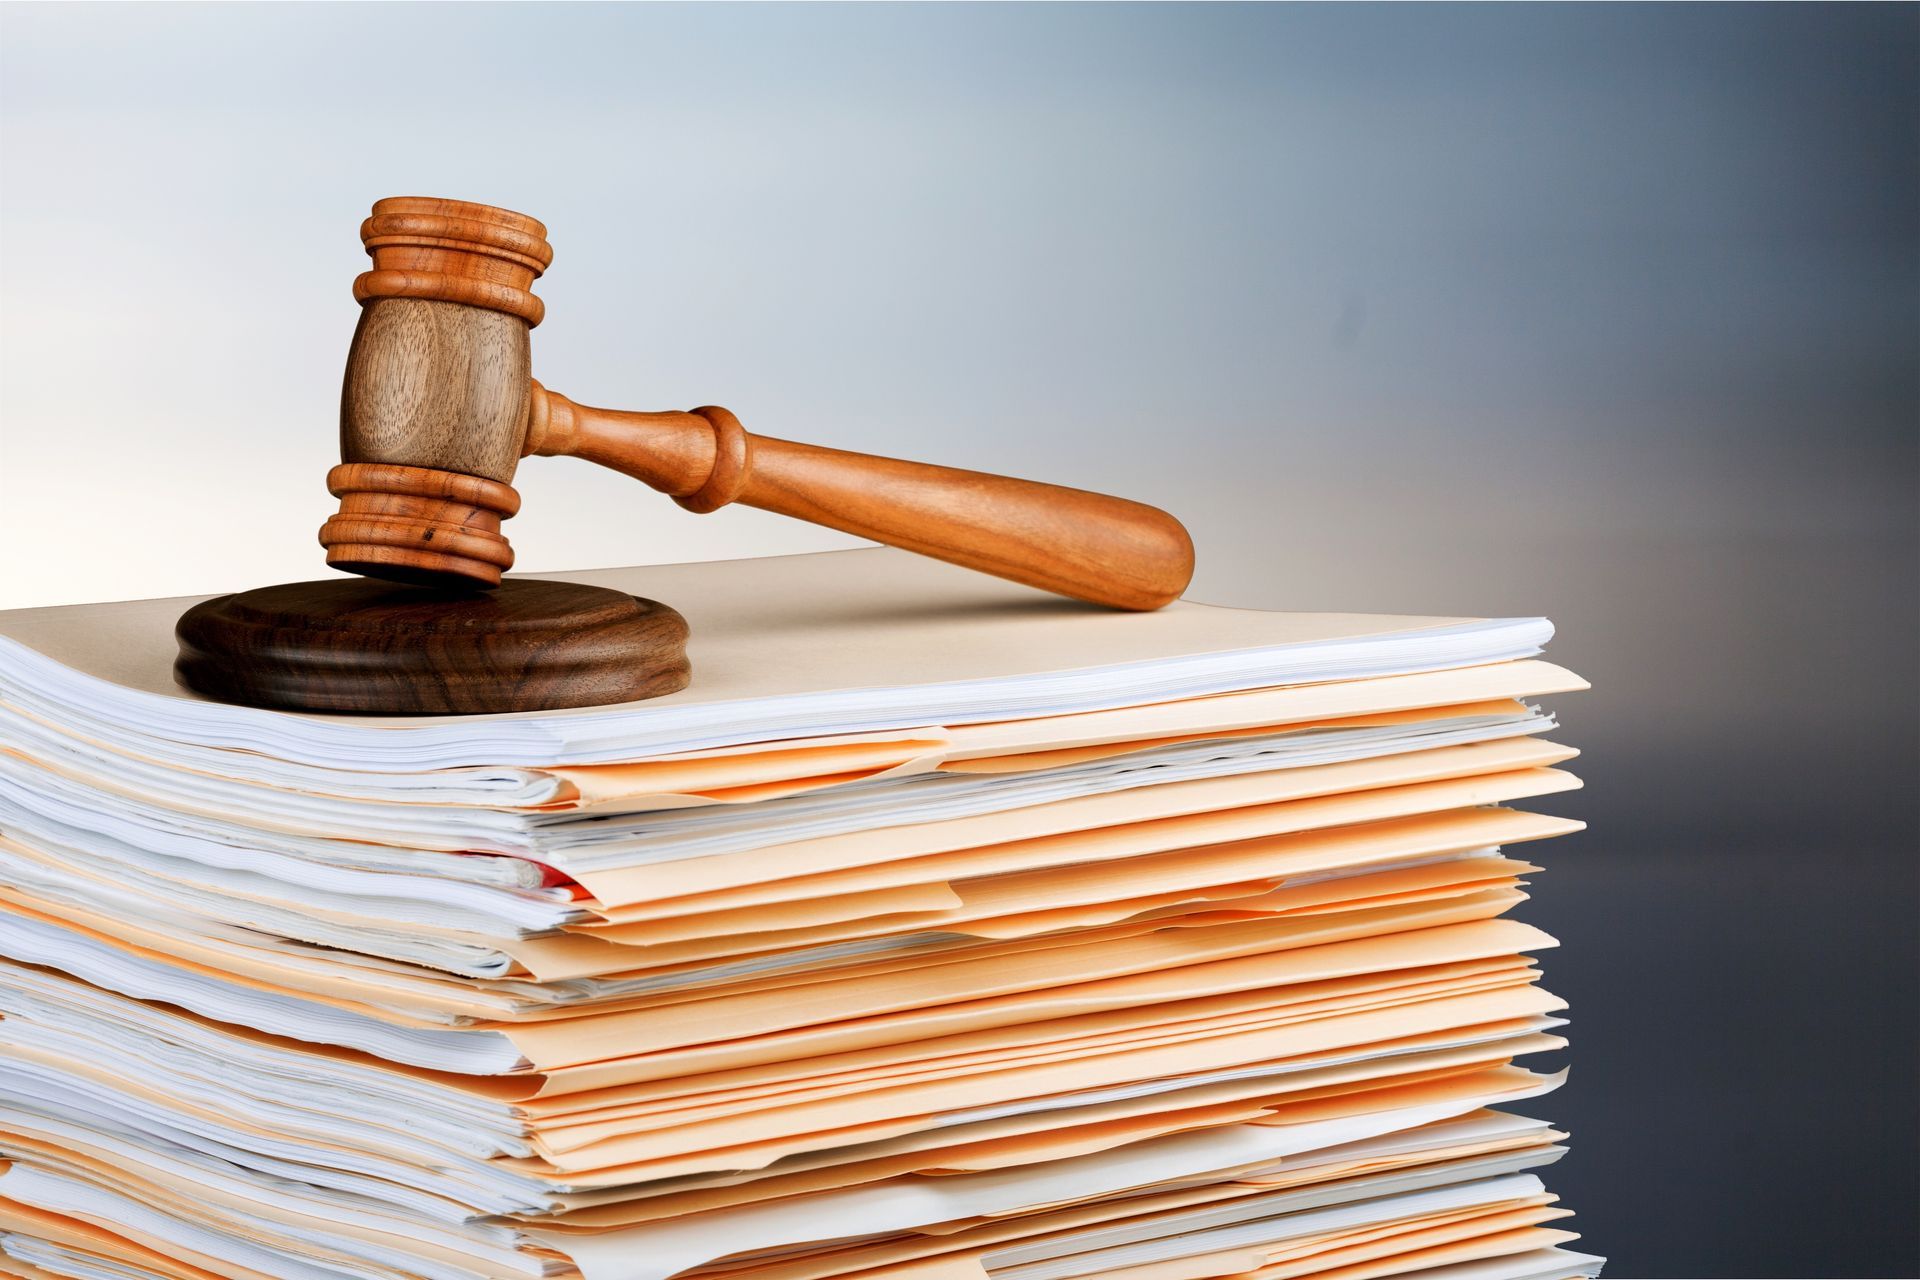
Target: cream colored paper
{"points": [[788, 625], [1211, 811], [653, 1252]]}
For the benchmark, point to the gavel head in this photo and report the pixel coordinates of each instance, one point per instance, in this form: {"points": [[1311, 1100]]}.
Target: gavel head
{"points": [[433, 414]]}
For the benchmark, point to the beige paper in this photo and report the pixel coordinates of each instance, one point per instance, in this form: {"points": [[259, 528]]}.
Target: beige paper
{"points": [[1418, 1252], [735, 775], [579, 1041], [1060, 757], [1011, 1141], [1380, 844], [636, 1139], [1114, 1006], [1046, 1039], [198, 1201], [1338, 1086], [567, 1131], [1083, 895], [121, 1243], [601, 1255], [732, 1046], [757, 773], [1312, 1254], [1178, 1194], [1524, 678], [787, 625], [972, 1239], [1123, 824], [1276, 855]]}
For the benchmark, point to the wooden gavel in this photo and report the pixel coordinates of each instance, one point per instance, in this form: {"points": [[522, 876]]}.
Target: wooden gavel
{"points": [[439, 406]]}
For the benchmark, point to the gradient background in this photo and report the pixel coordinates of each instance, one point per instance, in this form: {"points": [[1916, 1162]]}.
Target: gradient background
{"points": [[1609, 314]]}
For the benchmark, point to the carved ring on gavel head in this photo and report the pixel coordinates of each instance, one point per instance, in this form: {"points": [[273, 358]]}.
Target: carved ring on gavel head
{"points": [[439, 406]]}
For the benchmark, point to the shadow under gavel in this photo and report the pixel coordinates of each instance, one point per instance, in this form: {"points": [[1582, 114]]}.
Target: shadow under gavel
{"points": [[439, 406]]}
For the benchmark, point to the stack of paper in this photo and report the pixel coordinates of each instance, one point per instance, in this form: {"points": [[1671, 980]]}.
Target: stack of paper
{"points": [[941, 929]]}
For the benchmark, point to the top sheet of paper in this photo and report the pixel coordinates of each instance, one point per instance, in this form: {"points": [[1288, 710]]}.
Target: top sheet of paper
{"points": [[827, 643]]}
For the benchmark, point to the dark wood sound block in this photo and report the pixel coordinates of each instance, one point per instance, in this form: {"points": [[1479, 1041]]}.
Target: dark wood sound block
{"points": [[382, 648]]}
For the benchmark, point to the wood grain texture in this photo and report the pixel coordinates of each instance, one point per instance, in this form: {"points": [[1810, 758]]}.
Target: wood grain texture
{"points": [[454, 251], [415, 524], [361, 646], [1106, 550], [438, 385]]}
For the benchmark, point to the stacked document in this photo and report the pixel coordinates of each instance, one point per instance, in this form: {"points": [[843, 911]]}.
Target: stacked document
{"points": [[941, 930]]}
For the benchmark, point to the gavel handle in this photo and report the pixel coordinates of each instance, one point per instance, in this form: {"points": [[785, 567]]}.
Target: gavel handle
{"points": [[1086, 545]]}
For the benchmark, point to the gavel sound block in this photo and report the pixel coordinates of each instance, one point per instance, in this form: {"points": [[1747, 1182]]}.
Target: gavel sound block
{"points": [[363, 645], [439, 406]]}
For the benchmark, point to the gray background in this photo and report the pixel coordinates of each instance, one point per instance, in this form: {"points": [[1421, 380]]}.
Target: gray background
{"points": [[1609, 314]]}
